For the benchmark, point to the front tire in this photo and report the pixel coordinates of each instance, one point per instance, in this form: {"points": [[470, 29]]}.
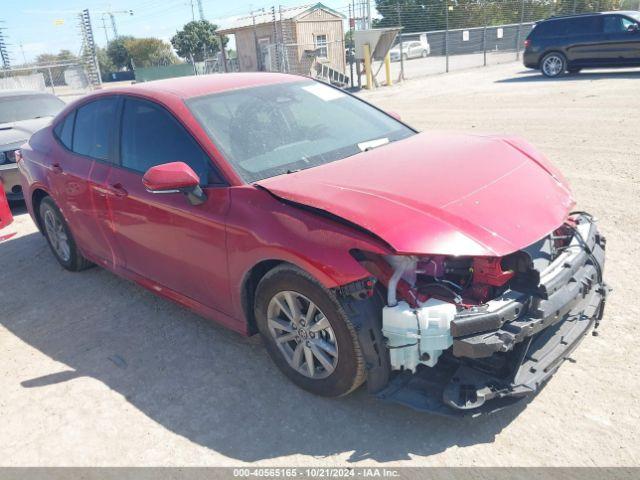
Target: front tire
{"points": [[553, 65], [307, 333], [59, 237]]}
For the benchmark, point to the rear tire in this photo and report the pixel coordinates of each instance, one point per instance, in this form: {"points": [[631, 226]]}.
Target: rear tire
{"points": [[59, 237], [329, 361], [553, 64]]}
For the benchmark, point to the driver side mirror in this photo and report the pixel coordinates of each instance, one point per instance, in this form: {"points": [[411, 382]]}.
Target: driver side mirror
{"points": [[174, 177]]}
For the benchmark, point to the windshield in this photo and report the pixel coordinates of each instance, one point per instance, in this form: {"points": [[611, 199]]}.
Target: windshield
{"points": [[276, 129], [635, 15], [26, 107]]}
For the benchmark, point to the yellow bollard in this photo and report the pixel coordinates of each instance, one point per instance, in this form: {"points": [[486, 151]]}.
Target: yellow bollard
{"points": [[387, 68], [367, 66]]}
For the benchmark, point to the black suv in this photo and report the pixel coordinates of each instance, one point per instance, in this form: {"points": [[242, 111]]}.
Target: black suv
{"points": [[593, 40]]}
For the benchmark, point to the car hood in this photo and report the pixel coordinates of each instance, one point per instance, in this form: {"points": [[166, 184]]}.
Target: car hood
{"points": [[19, 132], [439, 193]]}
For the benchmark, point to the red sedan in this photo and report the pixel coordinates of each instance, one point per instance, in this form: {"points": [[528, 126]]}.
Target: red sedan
{"points": [[445, 270]]}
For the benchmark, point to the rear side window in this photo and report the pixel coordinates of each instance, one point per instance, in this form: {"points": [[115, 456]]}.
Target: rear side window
{"points": [[94, 127], [64, 130], [582, 26], [568, 27], [151, 136]]}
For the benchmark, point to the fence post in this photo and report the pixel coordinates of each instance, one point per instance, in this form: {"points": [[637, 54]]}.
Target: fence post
{"points": [[484, 44], [399, 13], [519, 33], [446, 33], [53, 89], [367, 66], [224, 54]]}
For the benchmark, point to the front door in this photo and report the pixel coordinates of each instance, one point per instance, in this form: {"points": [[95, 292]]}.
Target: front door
{"points": [[622, 40], [165, 239]]}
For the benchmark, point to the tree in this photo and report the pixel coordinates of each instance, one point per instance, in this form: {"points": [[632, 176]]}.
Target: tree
{"points": [[63, 56], [196, 40], [149, 52], [105, 63], [128, 52], [118, 53]]}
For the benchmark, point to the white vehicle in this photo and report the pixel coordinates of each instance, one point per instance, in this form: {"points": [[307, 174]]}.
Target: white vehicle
{"points": [[412, 49]]}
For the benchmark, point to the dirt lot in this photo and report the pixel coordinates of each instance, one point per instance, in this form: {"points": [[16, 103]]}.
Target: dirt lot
{"points": [[97, 371]]}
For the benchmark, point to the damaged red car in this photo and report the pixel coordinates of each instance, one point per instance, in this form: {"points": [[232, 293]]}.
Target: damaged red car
{"points": [[447, 271]]}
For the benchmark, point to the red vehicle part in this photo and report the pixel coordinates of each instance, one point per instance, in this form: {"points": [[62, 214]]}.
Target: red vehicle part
{"points": [[489, 271], [5, 213]]}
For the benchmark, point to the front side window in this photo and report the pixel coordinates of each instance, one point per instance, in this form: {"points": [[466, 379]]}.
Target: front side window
{"points": [[274, 129], [617, 24], [16, 108], [94, 127], [321, 45], [151, 136]]}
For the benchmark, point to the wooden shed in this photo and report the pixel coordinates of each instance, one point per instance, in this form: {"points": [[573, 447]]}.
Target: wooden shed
{"points": [[301, 40]]}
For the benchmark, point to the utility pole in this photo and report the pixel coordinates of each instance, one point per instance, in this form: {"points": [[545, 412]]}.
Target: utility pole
{"points": [[255, 39], [193, 13], [24, 58], [4, 53], [89, 48], [369, 14], [200, 10], [275, 37], [104, 27], [112, 17]]}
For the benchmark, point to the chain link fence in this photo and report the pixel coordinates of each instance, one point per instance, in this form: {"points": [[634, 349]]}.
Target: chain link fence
{"points": [[439, 36], [62, 79]]}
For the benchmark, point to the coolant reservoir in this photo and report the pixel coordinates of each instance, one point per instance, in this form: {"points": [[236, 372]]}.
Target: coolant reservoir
{"points": [[417, 335]]}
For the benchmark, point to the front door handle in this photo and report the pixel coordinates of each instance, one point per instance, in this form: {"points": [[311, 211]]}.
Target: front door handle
{"points": [[118, 190], [56, 168]]}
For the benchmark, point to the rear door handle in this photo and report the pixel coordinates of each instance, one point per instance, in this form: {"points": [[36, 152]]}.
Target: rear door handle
{"points": [[118, 190], [56, 168]]}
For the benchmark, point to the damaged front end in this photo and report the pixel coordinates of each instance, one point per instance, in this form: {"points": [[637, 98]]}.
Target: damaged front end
{"points": [[468, 335]]}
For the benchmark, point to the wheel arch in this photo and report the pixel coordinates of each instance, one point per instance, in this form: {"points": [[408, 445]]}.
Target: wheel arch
{"points": [[37, 196], [248, 288]]}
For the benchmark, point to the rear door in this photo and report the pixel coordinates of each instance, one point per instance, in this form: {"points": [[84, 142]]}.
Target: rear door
{"points": [[165, 239], [622, 41], [79, 166]]}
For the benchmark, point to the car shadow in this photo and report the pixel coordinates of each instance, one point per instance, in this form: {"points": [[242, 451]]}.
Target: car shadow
{"points": [[582, 76], [210, 385]]}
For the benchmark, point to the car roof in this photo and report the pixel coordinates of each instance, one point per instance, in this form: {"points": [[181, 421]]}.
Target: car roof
{"points": [[19, 93], [590, 14], [199, 85]]}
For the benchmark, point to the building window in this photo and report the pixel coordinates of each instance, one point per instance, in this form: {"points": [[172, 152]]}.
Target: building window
{"points": [[321, 45]]}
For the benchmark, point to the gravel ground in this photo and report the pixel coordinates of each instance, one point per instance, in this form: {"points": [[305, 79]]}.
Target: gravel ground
{"points": [[97, 371]]}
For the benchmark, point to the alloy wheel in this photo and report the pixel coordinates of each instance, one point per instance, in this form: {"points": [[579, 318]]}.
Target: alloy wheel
{"points": [[552, 66], [57, 235], [303, 334]]}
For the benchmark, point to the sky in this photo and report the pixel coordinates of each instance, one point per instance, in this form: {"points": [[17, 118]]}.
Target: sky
{"points": [[32, 27]]}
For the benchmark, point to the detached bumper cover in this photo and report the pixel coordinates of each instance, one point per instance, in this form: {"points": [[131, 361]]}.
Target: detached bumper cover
{"points": [[510, 347]]}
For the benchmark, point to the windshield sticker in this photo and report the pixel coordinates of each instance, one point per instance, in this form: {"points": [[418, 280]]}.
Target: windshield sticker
{"points": [[323, 92]]}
